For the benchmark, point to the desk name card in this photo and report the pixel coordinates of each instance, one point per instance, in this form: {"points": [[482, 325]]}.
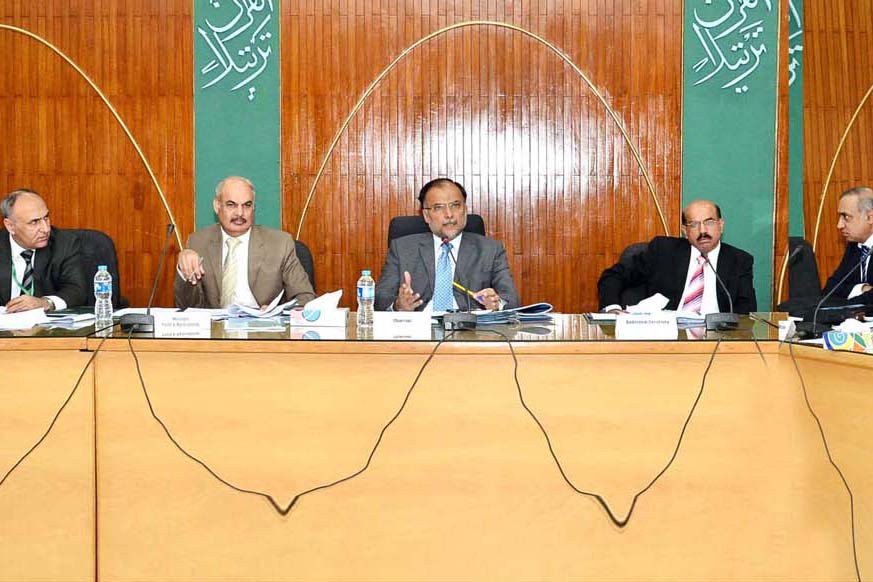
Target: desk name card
{"points": [[191, 324], [401, 325], [646, 326]]}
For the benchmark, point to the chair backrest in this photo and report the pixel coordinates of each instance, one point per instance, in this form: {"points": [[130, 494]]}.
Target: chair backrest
{"points": [[803, 278], [632, 295], [305, 257], [406, 225], [98, 249]]}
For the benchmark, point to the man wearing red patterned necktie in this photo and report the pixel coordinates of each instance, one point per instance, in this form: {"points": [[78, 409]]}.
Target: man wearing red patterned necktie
{"points": [[677, 268]]}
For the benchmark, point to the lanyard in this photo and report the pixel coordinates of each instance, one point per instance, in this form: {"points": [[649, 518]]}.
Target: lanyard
{"points": [[24, 291]]}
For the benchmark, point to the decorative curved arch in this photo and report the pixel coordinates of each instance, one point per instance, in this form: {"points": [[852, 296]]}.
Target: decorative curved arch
{"points": [[112, 110], [469, 23], [827, 184]]}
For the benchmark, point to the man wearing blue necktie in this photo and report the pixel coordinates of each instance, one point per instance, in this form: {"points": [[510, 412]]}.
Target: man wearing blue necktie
{"points": [[421, 269], [855, 223]]}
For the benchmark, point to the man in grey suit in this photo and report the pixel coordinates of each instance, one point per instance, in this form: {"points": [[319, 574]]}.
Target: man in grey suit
{"points": [[421, 269], [236, 262]]}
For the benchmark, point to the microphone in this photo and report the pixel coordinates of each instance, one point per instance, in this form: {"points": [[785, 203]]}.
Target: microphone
{"points": [[721, 321], [145, 322], [459, 320], [805, 331]]}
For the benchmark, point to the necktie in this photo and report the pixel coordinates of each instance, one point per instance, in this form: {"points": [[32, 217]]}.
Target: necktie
{"points": [[442, 289], [27, 280], [693, 298], [865, 254], [228, 278]]}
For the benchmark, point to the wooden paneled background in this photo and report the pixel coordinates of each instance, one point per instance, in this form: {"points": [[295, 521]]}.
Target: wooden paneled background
{"points": [[838, 71], [490, 107], [498, 111], [58, 138]]}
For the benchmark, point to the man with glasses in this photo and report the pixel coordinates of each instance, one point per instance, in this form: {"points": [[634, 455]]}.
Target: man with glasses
{"points": [[235, 261], [677, 268], [433, 270], [40, 266]]}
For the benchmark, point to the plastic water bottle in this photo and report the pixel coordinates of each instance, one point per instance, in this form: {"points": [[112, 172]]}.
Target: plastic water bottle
{"points": [[366, 298], [102, 298]]}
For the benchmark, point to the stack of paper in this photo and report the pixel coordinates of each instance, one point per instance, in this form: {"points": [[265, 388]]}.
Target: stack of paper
{"points": [[535, 312], [21, 319]]}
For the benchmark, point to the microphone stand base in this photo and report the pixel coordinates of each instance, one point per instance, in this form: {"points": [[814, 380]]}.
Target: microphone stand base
{"points": [[809, 330], [459, 321], [138, 322], [722, 321]]}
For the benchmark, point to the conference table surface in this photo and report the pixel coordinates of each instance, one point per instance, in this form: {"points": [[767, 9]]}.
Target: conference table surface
{"points": [[559, 454]]}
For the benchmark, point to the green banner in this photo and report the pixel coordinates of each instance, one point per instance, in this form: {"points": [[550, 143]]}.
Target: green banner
{"points": [[236, 102], [795, 118], [729, 121]]}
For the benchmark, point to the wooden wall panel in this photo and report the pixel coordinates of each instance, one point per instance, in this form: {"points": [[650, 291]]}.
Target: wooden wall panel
{"points": [[496, 110], [59, 139], [838, 71]]}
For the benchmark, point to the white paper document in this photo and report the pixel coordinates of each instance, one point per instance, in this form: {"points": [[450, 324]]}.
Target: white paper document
{"points": [[21, 319]]}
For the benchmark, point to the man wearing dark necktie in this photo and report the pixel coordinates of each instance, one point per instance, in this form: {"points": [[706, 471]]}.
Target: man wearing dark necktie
{"points": [[855, 223], [420, 269], [40, 266]]}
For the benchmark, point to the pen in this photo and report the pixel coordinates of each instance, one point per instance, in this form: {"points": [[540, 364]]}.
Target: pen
{"points": [[460, 287]]}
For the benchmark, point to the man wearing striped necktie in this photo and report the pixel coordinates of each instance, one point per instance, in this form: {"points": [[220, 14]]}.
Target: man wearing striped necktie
{"points": [[855, 223], [677, 268], [40, 266]]}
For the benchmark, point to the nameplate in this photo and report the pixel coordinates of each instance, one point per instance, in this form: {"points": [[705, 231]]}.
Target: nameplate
{"points": [[646, 326], [193, 324], [401, 325]]}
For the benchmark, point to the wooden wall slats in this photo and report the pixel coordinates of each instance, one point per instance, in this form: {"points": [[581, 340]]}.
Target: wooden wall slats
{"points": [[837, 73], [541, 159], [59, 139]]}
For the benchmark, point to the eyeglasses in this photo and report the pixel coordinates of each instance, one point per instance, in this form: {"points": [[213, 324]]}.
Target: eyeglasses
{"points": [[695, 224], [441, 208]]}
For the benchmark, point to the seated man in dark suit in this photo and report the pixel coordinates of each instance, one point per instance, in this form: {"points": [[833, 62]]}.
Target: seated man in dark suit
{"points": [[855, 223], [420, 268], [40, 266], [677, 269]]}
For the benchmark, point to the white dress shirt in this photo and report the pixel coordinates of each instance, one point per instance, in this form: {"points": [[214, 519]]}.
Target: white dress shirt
{"points": [[710, 284], [243, 294], [437, 251], [859, 288], [20, 267]]}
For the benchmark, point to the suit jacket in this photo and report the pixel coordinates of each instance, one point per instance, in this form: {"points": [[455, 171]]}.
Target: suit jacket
{"points": [[481, 264], [663, 268], [273, 267], [57, 268], [851, 261]]}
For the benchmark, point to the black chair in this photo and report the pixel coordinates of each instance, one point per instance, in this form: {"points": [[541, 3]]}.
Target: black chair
{"points": [[406, 225], [632, 295], [305, 258], [804, 287], [98, 249]]}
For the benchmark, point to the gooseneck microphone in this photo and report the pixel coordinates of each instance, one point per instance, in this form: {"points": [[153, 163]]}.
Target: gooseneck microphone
{"points": [[817, 330], [145, 322], [721, 321], [459, 320]]}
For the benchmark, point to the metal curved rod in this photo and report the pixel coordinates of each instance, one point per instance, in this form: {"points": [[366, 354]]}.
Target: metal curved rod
{"points": [[469, 23], [112, 110], [827, 184]]}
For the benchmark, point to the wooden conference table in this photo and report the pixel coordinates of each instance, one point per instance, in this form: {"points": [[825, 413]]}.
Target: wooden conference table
{"points": [[462, 485]]}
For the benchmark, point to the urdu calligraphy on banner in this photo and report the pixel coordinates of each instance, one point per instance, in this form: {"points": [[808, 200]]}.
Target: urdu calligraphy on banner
{"points": [[732, 37], [238, 35]]}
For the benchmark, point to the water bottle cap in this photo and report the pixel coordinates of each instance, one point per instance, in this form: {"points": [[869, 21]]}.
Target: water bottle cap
{"points": [[101, 267], [365, 272]]}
